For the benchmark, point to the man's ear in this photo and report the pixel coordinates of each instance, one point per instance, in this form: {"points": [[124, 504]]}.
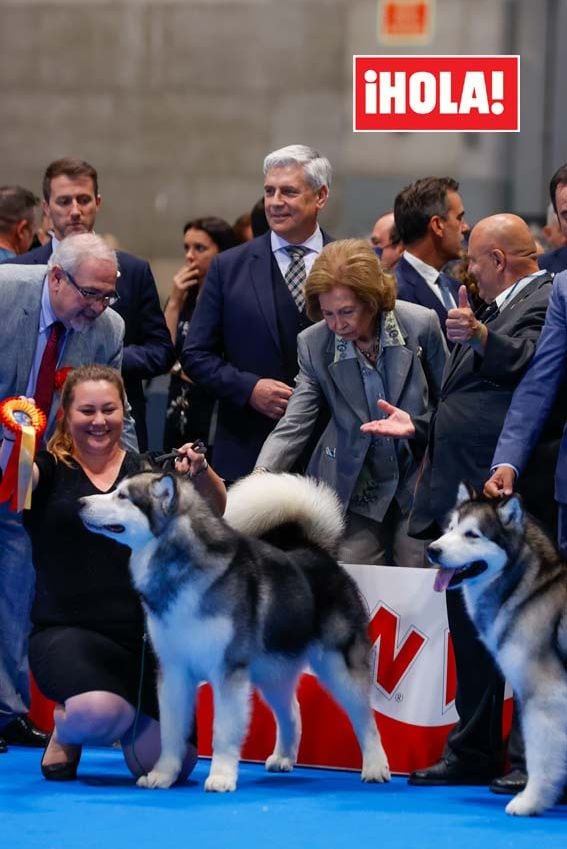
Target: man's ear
{"points": [[437, 225], [498, 258], [322, 195]]}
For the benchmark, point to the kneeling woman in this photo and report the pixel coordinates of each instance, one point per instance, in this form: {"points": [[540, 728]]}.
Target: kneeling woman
{"points": [[370, 351], [87, 647]]}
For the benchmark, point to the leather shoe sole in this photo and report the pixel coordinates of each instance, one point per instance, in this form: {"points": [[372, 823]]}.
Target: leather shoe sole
{"points": [[22, 732], [510, 784], [445, 773], [514, 782]]}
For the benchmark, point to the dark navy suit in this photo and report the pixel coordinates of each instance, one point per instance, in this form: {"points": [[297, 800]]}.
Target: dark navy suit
{"points": [[147, 344], [412, 287], [554, 261], [244, 328]]}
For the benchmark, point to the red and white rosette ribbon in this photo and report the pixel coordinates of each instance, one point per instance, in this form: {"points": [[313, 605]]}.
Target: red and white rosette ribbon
{"points": [[27, 422]]}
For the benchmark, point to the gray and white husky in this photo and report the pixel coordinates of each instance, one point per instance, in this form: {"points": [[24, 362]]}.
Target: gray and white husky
{"points": [[226, 606], [515, 588]]}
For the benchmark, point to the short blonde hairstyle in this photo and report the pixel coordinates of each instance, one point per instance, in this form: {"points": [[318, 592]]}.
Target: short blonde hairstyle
{"points": [[61, 443], [351, 263]]}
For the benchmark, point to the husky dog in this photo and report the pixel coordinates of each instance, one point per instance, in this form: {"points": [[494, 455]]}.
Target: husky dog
{"points": [[224, 606], [515, 589]]}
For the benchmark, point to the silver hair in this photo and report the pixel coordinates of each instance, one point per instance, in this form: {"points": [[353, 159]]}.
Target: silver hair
{"points": [[70, 252], [317, 168]]}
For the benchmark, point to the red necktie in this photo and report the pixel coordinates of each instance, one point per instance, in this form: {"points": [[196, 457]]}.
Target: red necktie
{"points": [[46, 373]]}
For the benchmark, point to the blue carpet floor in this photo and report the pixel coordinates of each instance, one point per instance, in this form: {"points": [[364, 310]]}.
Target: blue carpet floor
{"points": [[309, 808]]}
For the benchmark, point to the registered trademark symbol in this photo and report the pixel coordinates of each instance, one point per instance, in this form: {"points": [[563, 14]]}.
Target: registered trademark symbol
{"points": [[399, 697]]}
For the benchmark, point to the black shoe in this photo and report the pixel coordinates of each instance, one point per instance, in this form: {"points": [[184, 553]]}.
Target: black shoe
{"points": [[65, 770], [3, 746], [449, 771], [22, 732], [510, 784]]}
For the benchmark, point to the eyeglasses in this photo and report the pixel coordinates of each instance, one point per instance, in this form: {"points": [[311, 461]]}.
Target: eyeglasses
{"points": [[90, 295], [380, 250]]}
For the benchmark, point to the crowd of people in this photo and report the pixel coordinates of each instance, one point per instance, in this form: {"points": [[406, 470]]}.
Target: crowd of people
{"points": [[391, 367]]}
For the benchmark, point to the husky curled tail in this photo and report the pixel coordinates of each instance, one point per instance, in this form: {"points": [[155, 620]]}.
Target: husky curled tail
{"points": [[242, 602], [278, 506]]}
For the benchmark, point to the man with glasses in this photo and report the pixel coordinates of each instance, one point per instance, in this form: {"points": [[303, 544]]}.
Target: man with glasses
{"points": [[71, 199], [386, 241], [52, 321], [430, 219]]}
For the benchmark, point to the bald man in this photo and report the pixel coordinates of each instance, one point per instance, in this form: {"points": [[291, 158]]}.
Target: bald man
{"points": [[386, 241], [491, 354]]}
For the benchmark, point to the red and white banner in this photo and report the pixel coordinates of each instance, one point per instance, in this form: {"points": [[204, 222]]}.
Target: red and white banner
{"points": [[436, 94]]}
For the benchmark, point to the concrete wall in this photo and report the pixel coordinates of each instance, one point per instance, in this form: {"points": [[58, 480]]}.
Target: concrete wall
{"points": [[177, 101]]}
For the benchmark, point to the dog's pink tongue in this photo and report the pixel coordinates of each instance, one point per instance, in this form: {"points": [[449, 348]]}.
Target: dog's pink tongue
{"points": [[442, 580]]}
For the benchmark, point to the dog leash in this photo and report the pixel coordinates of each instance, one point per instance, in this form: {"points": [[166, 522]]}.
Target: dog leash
{"points": [[199, 447]]}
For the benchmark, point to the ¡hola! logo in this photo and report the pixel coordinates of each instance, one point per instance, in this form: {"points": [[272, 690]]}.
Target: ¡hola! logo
{"points": [[436, 94]]}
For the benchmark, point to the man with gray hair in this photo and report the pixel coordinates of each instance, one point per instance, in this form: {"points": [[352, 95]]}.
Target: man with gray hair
{"points": [[17, 220], [242, 341], [58, 318]]}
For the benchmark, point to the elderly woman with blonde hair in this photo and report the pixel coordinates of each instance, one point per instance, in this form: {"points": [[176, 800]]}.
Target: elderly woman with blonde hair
{"points": [[368, 352]]}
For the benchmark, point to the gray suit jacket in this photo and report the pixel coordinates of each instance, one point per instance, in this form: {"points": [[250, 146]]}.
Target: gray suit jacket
{"points": [[20, 306], [413, 378]]}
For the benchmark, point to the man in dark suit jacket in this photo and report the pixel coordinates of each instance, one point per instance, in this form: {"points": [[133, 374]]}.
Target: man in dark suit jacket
{"points": [[71, 199], [489, 359], [556, 260], [430, 220], [242, 340]]}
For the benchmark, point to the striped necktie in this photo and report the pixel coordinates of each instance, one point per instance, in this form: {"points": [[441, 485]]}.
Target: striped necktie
{"points": [[296, 274]]}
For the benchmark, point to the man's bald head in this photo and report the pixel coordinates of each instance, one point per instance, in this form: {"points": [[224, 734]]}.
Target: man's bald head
{"points": [[501, 251]]}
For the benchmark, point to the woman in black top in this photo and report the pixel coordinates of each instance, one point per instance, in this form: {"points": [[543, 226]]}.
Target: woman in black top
{"points": [[189, 406], [87, 646]]}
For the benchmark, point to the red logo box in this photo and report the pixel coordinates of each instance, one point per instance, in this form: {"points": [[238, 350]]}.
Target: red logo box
{"points": [[450, 94]]}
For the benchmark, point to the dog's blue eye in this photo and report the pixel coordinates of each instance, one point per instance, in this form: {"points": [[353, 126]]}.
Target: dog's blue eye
{"points": [[472, 535]]}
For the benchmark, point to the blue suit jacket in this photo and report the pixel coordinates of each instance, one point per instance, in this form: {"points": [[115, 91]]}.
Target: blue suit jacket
{"points": [[539, 399], [233, 341], [148, 350], [554, 261], [413, 288]]}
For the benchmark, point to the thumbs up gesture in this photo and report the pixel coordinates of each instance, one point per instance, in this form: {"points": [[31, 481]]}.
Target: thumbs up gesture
{"points": [[462, 326], [463, 298]]}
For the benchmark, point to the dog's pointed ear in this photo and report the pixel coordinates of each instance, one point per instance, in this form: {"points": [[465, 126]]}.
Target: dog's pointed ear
{"points": [[164, 489], [465, 493], [511, 511]]}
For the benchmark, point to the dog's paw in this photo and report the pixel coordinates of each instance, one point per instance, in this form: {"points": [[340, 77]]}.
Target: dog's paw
{"points": [[278, 763], [157, 780], [376, 769], [220, 782], [524, 806]]}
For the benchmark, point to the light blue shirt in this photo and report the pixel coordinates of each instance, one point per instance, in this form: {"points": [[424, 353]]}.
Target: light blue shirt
{"points": [[314, 244]]}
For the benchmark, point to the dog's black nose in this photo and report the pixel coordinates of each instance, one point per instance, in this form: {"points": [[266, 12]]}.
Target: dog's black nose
{"points": [[433, 552]]}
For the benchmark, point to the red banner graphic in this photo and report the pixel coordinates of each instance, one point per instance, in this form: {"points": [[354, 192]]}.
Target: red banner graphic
{"points": [[436, 93]]}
